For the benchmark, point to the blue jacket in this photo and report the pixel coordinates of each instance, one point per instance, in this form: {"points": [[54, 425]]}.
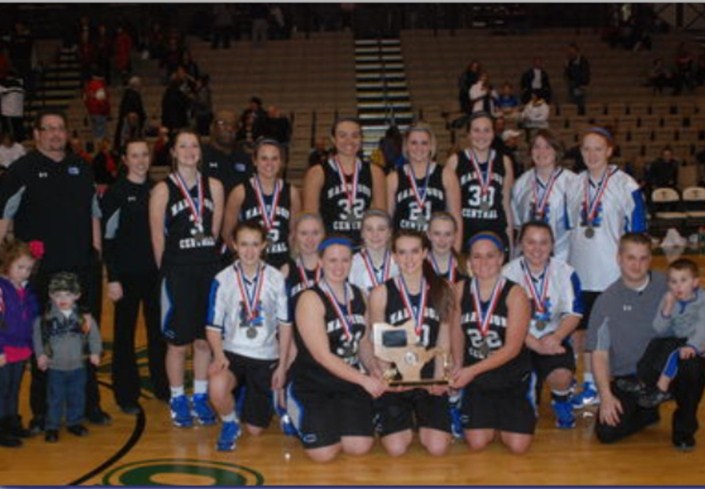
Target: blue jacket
{"points": [[17, 315]]}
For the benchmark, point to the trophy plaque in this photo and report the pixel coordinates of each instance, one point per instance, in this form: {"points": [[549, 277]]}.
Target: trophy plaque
{"points": [[400, 346]]}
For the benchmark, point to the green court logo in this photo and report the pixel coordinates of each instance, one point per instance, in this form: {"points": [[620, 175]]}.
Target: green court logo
{"points": [[182, 472]]}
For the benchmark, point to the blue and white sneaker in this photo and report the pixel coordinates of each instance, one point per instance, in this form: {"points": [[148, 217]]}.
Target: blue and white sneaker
{"points": [[180, 412], [229, 433], [456, 427], [564, 414], [587, 397], [202, 410]]}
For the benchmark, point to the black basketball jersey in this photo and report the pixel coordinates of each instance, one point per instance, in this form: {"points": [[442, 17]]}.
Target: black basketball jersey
{"points": [[306, 369], [278, 247], [476, 219], [334, 206], [296, 283], [514, 370], [184, 243], [396, 313], [408, 214], [453, 272]]}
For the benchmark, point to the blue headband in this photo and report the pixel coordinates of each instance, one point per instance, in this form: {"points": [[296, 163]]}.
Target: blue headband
{"points": [[335, 240], [601, 131], [487, 236]]}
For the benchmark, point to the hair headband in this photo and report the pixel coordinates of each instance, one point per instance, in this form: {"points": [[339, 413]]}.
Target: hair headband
{"points": [[486, 236], [335, 240]]}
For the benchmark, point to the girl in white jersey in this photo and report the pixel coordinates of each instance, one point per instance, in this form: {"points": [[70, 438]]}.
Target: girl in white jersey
{"points": [[540, 194], [374, 264], [604, 204]]}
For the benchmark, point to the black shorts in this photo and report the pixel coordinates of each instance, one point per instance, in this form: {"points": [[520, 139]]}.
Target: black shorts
{"points": [[395, 412], [589, 298], [545, 364], [184, 301], [322, 418], [256, 376], [512, 410]]}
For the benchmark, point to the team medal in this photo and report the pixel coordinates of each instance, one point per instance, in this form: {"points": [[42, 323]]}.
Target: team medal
{"points": [[540, 203], [538, 297], [350, 218], [591, 206], [196, 209], [419, 195], [347, 345], [485, 181], [268, 215], [417, 314], [451, 270], [250, 303], [483, 319], [375, 277], [302, 273]]}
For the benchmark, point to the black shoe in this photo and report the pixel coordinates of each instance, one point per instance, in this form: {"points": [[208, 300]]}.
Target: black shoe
{"points": [[686, 444], [653, 398], [630, 384], [9, 441], [51, 436], [36, 425], [99, 417], [77, 429], [14, 427], [130, 408]]}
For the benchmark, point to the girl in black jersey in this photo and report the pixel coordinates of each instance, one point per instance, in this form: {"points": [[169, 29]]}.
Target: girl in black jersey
{"points": [[344, 187], [442, 233], [486, 179], [329, 398], [416, 295], [185, 211], [491, 363], [374, 263], [267, 199], [132, 277], [420, 187]]}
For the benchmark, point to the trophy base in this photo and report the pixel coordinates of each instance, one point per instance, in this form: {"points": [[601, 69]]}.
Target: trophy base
{"points": [[417, 383]]}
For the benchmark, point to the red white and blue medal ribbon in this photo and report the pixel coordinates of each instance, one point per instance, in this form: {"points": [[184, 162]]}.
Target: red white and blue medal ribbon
{"points": [[418, 195], [350, 194], [417, 315], [540, 203], [344, 319], [268, 216], [304, 277], [452, 267], [483, 320], [250, 301], [196, 209], [591, 205], [538, 296], [486, 179], [372, 271]]}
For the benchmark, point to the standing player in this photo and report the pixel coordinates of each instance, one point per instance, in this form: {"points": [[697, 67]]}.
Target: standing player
{"points": [[420, 187], [374, 263], [417, 295], [554, 290], [344, 187], [185, 211], [604, 204], [540, 194], [486, 178], [267, 199]]}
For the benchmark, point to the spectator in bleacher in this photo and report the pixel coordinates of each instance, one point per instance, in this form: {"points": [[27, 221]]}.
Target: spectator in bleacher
{"points": [[105, 166], [131, 103], [221, 159], [176, 101], [535, 80], [22, 53], [156, 42], [259, 14], [466, 80], [660, 76], [86, 53], [662, 172], [103, 45], [12, 97], [577, 74], [222, 25], [319, 153], [171, 57], [277, 126], [97, 101], [245, 136], [10, 150], [191, 67], [202, 105], [535, 116], [482, 96], [256, 111], [160, 152], [123, 51], [507, 102], [685, 68], [77, 147]]}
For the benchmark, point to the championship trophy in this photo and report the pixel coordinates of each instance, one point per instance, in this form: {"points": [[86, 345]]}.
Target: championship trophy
{"points": [[401, 346]]}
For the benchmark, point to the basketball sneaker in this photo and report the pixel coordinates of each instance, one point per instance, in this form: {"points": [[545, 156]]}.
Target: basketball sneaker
{"points": [[652, 398], [564, 414], [180, 412], [456, 427], [202, 410], [229, 433], [587, 397]]}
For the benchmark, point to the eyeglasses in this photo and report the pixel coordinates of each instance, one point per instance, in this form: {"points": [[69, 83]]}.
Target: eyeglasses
{"points": [[52, 129]]}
